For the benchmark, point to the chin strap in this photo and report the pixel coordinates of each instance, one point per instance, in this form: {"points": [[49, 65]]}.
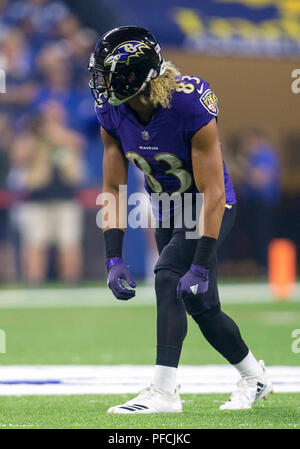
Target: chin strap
{"points": [[162, 68]]}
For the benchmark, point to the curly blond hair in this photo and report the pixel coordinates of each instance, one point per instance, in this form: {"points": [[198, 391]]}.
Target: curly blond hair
{"points": [[161, 89]]}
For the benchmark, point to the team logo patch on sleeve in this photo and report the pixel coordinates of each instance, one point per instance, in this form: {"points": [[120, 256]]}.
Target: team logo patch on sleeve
{"points": [[209, 100]]}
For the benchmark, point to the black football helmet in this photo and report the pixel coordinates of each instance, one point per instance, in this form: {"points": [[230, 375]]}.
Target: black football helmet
{"points": [[125, 59]]}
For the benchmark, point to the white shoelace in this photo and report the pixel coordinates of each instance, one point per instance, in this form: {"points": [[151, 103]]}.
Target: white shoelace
{"points": [[242, 393], [150, 391], [146, 393]]}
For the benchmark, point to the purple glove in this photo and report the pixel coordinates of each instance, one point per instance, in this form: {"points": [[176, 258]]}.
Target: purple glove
{"points": [[194, 282], [117, 270]]}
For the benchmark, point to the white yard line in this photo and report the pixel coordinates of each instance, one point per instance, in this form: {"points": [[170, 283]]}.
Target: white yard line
{"points": [[101, 296], [87, 379]]}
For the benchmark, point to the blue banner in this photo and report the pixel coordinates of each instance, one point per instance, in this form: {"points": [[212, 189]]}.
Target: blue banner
{"points": [[266, 28]]}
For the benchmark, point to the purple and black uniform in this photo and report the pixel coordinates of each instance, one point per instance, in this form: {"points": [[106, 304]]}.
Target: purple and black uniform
{"points": [[162, 148]]}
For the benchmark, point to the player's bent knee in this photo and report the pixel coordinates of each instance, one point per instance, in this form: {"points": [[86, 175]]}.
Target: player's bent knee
{"points": [[166, 280], [206, 315], [199, 306]]}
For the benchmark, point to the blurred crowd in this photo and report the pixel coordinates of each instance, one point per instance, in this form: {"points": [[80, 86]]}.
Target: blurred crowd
{"points": [[50, 146], [255, 169], [49, 143], [44, 51]]}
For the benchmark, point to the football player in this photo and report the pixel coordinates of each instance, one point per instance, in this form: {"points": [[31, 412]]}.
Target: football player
{"points": [[166, 124]]}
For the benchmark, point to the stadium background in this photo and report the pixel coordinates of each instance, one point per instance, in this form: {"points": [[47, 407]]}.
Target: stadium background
{"points": [[247, 49], [250, 51]]}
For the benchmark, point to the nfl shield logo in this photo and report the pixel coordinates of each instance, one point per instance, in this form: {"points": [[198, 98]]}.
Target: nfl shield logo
{"points": [[145, 135]]}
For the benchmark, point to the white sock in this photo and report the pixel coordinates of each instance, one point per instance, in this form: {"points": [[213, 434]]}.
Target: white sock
{"points": [[165, 377], [249, 366]]}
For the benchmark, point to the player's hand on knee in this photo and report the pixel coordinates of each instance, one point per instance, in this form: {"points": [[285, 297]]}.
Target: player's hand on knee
{"points": [[194, 282], [118, 272]]}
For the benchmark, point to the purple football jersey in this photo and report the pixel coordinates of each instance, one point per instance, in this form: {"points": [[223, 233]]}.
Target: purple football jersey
{"points": [[162, 148]]}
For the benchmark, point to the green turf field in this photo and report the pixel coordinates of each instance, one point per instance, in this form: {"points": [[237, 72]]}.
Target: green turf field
{"points": [[125, 334], [200, 411]]}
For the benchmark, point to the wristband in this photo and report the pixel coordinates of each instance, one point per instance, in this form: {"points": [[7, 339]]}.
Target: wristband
{"points": [[113, 239], [200, 271], [204, 251], [113, 261]]}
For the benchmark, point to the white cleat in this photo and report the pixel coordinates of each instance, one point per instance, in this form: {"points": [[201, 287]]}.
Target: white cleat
{"points": [[150, 400], [249, 391]]}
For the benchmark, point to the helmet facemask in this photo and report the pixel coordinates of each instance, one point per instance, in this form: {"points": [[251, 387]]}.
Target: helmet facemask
{"points": [[100, 85]]}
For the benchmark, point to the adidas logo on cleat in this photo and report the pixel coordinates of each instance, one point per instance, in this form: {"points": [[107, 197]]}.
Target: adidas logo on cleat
{"points": [[134, 407], [259, 389], [150, 400]]}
